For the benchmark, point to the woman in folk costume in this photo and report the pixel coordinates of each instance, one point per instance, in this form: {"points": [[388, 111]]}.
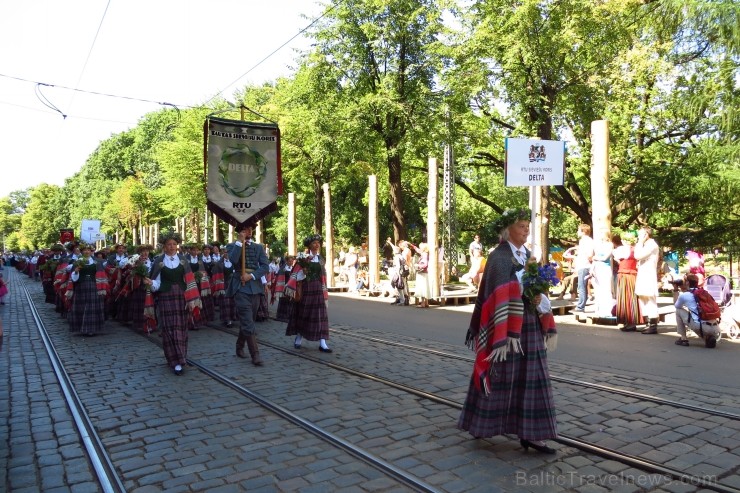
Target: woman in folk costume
{"points": [[307, 287], [177, 300], [90, 286], [628, 309], [204, 285], [285, 303], [510, 389], [135, 291], [223, 269], [49, 270]]}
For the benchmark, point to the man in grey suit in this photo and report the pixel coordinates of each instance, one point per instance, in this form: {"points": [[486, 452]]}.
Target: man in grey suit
{"points": [[246, 286]]}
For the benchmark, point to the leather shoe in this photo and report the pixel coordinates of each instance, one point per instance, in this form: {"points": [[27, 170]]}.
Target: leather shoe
{"points": [[297, 346], [630, 328], [650, 330], [325, 350], [539, 448]]}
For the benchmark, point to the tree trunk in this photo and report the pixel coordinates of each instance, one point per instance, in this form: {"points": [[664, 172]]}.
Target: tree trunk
{"points": [[318, 203], [396, 192]]}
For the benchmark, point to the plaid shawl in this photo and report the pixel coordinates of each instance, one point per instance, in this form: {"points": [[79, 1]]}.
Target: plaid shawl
{"points": [[292, 285], [101, 281], [496, 324], [192, 295], [149, 311]]}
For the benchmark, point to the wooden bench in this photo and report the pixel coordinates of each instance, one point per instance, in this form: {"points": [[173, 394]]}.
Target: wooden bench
{"points": [[338, 289]]}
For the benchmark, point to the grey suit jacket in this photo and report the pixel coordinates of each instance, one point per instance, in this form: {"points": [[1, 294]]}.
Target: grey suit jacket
{"points": [[256, 260]]}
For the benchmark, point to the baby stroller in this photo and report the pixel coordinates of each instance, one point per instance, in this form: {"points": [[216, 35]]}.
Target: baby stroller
{"points": [[719, 287]]}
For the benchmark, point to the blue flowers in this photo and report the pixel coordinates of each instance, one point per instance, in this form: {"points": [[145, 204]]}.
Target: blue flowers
{"points": [[538, 279]]}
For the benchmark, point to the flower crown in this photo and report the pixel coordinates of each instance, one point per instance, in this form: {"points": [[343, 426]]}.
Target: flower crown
{"points": [[310, 239], [509, 217], [169, 235]]}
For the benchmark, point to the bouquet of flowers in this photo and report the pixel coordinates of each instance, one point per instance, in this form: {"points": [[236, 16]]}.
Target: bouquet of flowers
{"points": [[49, 266], [81, 262], [310, 268], [538, 279], [198, 275]]}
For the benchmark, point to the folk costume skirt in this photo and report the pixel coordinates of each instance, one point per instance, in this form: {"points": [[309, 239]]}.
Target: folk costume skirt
{"points": [[628, 309], [520, 402], [227, 309], [173, 319], [284, 309], [309, 317], [87, 313]]}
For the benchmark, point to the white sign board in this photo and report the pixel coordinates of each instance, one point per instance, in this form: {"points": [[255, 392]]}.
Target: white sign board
{"points": [[91, 231], [534, 162]]}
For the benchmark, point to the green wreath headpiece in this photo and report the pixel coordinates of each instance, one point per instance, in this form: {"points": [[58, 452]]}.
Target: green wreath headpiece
{"points": [[509, 217]]}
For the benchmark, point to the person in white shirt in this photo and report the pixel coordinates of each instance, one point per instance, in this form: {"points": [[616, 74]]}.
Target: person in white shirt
{"points": [[582, 264], [646, 284]]}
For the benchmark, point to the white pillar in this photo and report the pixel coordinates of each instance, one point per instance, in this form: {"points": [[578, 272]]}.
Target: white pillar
{"points": [[292, 250], [328, 237], [373, 240]]}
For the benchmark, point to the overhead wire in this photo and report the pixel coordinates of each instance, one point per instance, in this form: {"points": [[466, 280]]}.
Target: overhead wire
{"points": [[330, 9], [48, 103]]}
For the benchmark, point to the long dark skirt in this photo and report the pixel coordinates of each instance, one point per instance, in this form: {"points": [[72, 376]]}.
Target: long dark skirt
{"points": [[521, 400], [136, 308], [227, 307], [263, 312], [123, 309], [284, 309], [309, 317], [208, 314], [172, 320], [48, 287], [87, 314], [628, 309]]}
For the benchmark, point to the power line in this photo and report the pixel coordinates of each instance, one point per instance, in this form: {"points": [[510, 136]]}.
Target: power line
{"points": [[84, 66], [330, 9]]}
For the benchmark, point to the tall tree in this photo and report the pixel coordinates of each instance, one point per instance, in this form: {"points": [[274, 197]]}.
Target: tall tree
{"points": [[382, 52]]}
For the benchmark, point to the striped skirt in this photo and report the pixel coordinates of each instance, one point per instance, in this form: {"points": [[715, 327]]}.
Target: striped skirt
{"points": [[227, 307], [87, 313], [309, 317], [520, 402], [628, 309], [284, 309], [172, 321]]}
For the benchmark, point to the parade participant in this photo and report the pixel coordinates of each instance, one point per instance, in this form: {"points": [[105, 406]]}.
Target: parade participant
{"points": [[61, 278], [687, 315], [117, 257], [285, 303], [250, 265], [510, 390], [135, 291], [48, 271], [422, 291], [628, 309], [646, 283], [203, 280], [307, 287], [90, 286], [177, 300], [223, 269]]}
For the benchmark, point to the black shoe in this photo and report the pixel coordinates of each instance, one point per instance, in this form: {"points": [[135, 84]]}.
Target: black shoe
{"points": [[229, 324], [178, 370], [325, 350], [297, 346], [539, 448], [406, 303], [396, 303], [710, 342], [682, 342], [651, 330], [630, 328]]}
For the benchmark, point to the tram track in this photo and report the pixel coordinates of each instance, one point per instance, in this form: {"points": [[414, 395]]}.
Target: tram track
{"points": [[105, 472], [570, 441], [570, 381], [399, 474]]}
